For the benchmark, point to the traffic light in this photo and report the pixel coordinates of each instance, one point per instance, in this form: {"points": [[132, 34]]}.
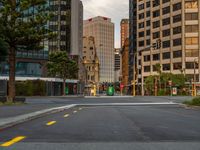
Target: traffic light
{"points": [[158, 44]]}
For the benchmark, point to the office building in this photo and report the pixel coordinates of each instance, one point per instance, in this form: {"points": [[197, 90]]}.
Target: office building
{"points": [[132, 37], [102, 29], [124, 25], [167, 34], [90, 61], [125, 62], [117, 64], [67, 24]]}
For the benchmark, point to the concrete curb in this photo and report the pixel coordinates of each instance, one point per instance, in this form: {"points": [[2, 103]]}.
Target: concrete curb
{"points": [[111, 97], [126, 104], [12, 121]]}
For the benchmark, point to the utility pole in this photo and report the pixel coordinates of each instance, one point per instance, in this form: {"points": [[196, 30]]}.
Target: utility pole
{"points": [[194, 83], [134, 75], [156, 86]]}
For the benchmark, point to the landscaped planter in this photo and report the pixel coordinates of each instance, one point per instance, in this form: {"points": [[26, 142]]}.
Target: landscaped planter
{"points": [[20, 99], [3, 99]]}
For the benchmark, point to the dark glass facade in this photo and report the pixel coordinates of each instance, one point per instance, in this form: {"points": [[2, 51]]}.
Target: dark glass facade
{"points": [[32, 63], [28, 62], [61, 25], [132, 36]]}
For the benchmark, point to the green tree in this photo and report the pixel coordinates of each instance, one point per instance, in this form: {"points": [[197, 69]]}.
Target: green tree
{"points": [[178, 80], [150, 83], [60, 65], [159, 71], [3, 50], [22, 31], [165, 78]]}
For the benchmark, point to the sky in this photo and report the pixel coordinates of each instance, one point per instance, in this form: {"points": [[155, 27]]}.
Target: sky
{"points": [[114, 9]]}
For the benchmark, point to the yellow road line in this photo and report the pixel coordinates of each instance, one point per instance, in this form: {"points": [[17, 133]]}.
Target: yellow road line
{"points": [[13, 141], [51, 123], [67, 115], [75, 111]]}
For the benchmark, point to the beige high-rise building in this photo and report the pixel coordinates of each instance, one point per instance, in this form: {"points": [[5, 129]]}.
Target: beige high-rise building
{"points": [[118, 62], [124, 31], [168, 34], [102, 29], [90, 60]]}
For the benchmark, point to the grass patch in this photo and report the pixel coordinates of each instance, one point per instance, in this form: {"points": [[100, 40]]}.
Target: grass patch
{"points": [[194, 102], [11, 103]]}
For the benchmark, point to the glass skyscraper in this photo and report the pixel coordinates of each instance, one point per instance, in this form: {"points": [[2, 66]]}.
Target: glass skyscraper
{"points": [[32, 63]]}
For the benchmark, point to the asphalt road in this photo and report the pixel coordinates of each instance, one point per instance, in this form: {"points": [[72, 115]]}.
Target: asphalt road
{"points": [[161, 127], [34, 104]]}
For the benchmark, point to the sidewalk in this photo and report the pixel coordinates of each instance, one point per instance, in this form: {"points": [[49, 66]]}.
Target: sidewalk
{"points": [[20, 114], [12, 111]]}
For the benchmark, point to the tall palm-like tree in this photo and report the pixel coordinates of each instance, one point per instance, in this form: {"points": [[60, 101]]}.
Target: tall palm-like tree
{"points": [[22, 27]]}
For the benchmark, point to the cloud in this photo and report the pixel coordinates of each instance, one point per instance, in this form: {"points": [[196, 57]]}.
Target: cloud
{"points": [[114, 9]]}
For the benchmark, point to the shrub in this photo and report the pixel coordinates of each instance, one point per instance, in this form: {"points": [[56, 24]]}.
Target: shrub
{"points": [[195, 102], [161, 92], [31, 88]]}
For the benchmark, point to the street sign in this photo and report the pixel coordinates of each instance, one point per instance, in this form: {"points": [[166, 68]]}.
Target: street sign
{"points": [[121, 86], [174, 91]]}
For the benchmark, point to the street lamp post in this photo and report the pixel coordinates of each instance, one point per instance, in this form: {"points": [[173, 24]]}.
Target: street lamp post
{"points": [[194, 82]]}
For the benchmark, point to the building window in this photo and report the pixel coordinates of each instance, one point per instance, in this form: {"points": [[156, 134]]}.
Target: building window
{"points": [[141, 16], [141, 34], [156, 57], [156, 24], [191, 16], [156, 35], [177, 30], [147, 68], [156, 3], [141, 6], [191, 52], [191, 28], [192, 40], [166, 10], [141, 43], [166, 32], [166, 55], [148, 32], [191, 4], [177, 66], [177, 54], [166, 67], [166, 44], [176, 18], [141, 25], [148, 4], [148, 42], [190, 65], [147, 58], [176, 6], [166, 21], [148, 23], [148, 14], [156, 13], [165, 1], [177, 42]]}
